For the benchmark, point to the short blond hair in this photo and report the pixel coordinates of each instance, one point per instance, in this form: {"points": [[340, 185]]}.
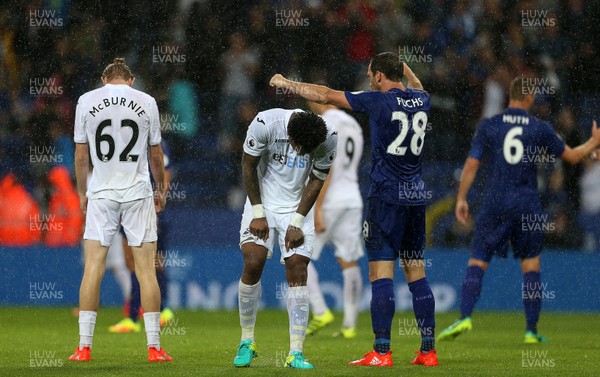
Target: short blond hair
{"points": [[521, 87]]}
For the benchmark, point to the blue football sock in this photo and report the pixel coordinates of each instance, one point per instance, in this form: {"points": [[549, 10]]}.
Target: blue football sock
{"points": [[424, 308], [382, 346], [161, 277], [532, 299], [383, 306], [134, 298], [471, 289]]}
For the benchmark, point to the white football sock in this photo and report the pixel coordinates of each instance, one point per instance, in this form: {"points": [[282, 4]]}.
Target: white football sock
{"points": [[297, 306], [248, 298], [352, 293], [87, 322], [152, 324], [317, 301]]}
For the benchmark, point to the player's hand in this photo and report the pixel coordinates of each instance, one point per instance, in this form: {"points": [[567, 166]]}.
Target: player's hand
{"points": [[260, 228], [277, 80], [160, 201], [595, 132], [462, 211], [83, 200], [319, 222], [294, 237]]}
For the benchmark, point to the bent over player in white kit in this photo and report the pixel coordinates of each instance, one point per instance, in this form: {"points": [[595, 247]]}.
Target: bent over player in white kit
{"points": [[117, 126], [338, 219], [287, 156]]}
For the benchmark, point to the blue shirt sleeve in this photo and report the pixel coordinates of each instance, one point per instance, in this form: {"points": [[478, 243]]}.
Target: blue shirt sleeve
{"points": [[479, 142], [365, 102], [549, 138]]}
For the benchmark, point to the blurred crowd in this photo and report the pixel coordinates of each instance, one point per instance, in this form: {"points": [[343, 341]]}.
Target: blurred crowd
{"points": [[208, 63]]}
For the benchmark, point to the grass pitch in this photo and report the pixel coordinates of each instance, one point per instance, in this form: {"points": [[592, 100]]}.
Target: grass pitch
{"points": [[38, 341]]}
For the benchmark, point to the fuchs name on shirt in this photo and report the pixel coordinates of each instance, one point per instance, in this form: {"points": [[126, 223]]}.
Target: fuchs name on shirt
{"points": [[117, 101], [410, 103]]}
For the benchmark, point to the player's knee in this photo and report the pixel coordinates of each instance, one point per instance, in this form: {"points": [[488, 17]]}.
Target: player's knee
{"points": [[253, 266], [530, 264], [479, 263], [296, 268]]}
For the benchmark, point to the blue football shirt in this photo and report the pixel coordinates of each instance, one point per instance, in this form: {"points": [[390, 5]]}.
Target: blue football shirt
{"points": [[398, 122], [514, 144]]}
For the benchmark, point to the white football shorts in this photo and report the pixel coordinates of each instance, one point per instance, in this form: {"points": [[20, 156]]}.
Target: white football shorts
{"points": [[344, 230], [278, 224], [137, 217]]}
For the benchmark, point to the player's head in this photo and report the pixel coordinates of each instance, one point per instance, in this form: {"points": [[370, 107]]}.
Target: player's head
{"points": [[117, 71], [306, 131], [385, 66], [522, 91]]}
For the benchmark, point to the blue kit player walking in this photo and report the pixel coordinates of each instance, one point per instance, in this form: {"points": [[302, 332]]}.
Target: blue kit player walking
{"points": [[395, 225], [512, 142]]}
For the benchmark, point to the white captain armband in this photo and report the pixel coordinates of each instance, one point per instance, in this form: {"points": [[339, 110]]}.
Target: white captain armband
{"points": [[319, 174]]}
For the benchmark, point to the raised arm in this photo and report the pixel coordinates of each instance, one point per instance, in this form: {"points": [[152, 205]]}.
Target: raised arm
{"points": [[312, 92], [574, 155], [466, 181], [412, 81]]}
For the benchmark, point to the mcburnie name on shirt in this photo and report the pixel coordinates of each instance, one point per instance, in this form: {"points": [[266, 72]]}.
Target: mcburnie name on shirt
{"points": [[117, 101]]}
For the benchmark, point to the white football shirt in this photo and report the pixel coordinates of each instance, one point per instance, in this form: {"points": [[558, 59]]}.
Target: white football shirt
{"points": [[118, 122], [343, 190], [282, 173]]}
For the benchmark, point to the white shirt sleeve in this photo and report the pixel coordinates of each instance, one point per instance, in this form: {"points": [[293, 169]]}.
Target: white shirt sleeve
{"points": [[154, 134], [257, 136], [326, 152], [79, 135]]}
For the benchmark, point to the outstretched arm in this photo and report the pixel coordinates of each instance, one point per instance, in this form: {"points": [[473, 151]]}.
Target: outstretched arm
{"points": [[574, 155], [466, 181], [312, 92], [412, 81]]}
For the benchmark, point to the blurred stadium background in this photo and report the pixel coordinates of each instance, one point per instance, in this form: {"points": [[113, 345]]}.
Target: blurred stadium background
{"points": [[208, 64]]}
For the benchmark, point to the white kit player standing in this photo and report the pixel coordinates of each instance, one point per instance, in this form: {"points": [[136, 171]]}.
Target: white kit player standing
{"points": [[287, 156], [117, 127], [338, 219]]}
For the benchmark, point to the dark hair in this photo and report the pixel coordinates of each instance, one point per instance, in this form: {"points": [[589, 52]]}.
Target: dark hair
{"points": [[389, 64], [308, 130], [117, 69]]}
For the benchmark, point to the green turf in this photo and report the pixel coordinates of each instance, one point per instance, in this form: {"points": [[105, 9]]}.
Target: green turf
{"points": [[204, 343]]}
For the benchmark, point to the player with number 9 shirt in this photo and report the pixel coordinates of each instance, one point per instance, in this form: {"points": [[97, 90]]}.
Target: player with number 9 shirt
{"points": [[395, 224], [512, 143]]}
